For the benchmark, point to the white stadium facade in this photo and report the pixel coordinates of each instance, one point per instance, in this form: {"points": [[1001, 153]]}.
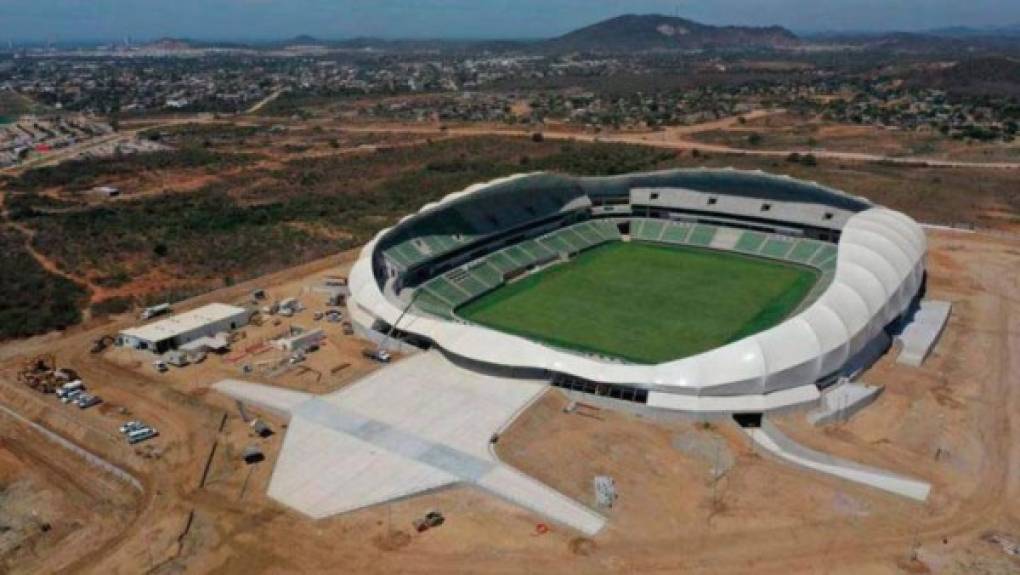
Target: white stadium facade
{"points": [[410, 278]]}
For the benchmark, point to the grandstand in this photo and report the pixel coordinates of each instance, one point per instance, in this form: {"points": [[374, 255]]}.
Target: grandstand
{"points": [[476, 278], [790, 281]]}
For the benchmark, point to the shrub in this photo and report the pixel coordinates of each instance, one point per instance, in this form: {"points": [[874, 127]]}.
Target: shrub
{"points": [[113, 305]]}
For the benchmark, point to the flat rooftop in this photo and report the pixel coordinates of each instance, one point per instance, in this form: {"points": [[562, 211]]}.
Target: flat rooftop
{"points": [[186, 322]]}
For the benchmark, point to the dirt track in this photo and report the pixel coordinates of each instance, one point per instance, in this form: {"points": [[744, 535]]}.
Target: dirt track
{"points": [[675, 139]]}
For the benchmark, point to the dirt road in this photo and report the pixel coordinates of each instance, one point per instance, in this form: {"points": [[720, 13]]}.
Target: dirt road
{"points": [[674, 139]]}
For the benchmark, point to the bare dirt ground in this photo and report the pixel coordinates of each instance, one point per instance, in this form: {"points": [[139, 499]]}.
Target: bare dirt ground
{"points": [[783, 131], [693, 497], [684, 139]]}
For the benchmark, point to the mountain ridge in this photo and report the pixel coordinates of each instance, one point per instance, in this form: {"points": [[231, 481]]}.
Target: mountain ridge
{"points": [[655, 32]]}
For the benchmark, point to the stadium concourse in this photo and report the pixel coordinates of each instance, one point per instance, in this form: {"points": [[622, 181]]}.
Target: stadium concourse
{"points": [[413, 282]]}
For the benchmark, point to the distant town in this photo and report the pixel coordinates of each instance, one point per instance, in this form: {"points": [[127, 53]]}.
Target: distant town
{"points": [[84, 93]]}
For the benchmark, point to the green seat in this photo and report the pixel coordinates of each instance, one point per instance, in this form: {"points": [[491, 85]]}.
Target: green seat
{"points": [[750, 242], [803, 251], [652, 229], [501, 262], [702, 235], [776, 248], [676, 233], [823, 253], [554, 241]]}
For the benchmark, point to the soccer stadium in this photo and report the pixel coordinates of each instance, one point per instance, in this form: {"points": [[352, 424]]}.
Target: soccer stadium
{"points": [[699, 291]]}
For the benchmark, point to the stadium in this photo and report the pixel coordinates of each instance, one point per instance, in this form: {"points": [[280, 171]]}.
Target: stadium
{"points": [[698, 291]]}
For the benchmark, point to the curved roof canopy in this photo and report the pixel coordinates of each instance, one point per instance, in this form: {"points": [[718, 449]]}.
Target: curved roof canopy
{"points": [[879, 268]]}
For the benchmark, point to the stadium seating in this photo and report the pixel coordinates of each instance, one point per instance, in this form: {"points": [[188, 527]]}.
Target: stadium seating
{"points": [[750, 242], [433, 234], [441, 295], [701, 235], [815, 253]]}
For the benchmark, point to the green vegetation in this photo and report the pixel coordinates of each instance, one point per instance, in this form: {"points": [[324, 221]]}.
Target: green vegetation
{"points": [[261, 220], [113, 305], [646, 303], [33, 300], [13, 104], [267, 216], [202, 135], [81, 174]]}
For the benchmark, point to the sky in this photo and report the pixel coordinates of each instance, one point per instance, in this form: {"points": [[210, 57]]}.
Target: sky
{"points": [[64, 20]]}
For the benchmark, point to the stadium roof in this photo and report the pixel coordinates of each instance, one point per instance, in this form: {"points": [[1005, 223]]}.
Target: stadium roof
{"points": [[879, 268]]}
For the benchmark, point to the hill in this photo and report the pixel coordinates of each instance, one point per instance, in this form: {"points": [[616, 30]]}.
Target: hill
{"points": [[1010, 31], [170, 44], [652, 32], [982, 76]]}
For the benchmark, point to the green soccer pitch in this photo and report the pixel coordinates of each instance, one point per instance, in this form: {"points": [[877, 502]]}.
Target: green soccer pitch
{"points": [[646, 303]]}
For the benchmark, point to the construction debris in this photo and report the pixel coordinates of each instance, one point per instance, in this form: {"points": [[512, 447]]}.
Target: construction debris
{"points": [[605, 491], [301, 341], [39, 373], [430, 520], [380, 355], [261, 428], [101, 343], [252, 454], [288, 307]]}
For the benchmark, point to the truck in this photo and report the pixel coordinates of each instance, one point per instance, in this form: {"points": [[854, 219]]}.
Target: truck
{"points": [[153, 311], [141, 434]]}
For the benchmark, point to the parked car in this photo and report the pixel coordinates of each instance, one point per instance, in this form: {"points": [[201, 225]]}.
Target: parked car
{"points": [[76, 385], [141, 434], [87, 400], [131, 426]]}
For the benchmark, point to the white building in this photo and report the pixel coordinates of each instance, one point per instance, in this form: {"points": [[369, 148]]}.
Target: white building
{"points": [[874, 260], [178, 330]]}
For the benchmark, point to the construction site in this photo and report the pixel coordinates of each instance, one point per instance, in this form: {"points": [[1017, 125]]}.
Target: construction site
{"points": [[520, 490]]}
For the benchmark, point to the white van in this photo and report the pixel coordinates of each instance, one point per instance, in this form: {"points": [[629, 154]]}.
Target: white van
{"points": [[76, 385]]}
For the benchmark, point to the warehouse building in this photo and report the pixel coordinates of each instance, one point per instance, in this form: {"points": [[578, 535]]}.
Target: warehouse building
{"points": [[179, 330]]}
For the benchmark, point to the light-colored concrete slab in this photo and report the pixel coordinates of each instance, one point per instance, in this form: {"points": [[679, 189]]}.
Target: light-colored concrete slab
{"points": [[417, 425], [775, 442], [726, 238], [919, 337], [842, 401]]}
